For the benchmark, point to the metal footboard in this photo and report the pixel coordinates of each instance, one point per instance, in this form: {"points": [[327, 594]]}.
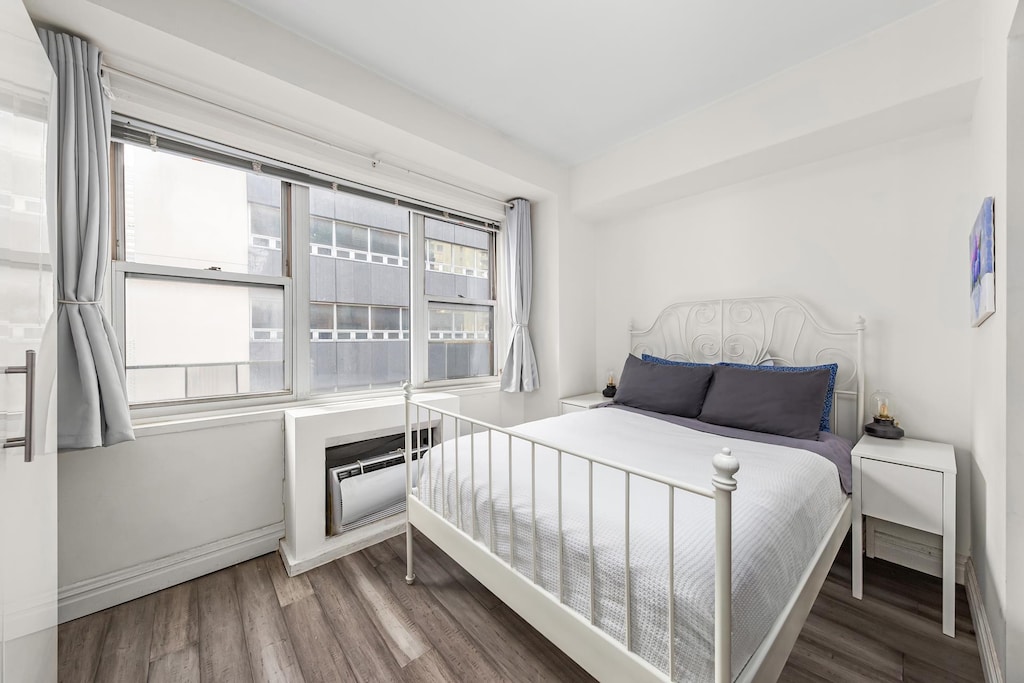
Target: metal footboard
{"points": [[723, 484]]}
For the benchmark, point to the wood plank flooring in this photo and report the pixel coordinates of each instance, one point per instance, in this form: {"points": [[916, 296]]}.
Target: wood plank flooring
{"points": [[357, 620]]}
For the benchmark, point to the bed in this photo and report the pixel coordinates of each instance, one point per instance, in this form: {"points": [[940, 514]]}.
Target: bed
{"points": [[576, 529]]}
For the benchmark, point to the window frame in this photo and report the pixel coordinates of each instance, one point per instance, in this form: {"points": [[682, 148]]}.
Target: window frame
{"points": [[122, 269], [420, 302], [295, 252]]}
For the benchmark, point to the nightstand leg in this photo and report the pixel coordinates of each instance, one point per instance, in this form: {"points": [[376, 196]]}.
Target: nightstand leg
{"points": [[858, 535], [858, 551], [948, 554]]}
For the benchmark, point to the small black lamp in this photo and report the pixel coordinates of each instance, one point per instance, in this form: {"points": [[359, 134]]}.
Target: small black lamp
{"points": [[884, 424], [609, 391]]}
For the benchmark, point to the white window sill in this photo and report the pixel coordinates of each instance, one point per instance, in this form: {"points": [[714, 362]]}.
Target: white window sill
{"points": [[170, 424]]}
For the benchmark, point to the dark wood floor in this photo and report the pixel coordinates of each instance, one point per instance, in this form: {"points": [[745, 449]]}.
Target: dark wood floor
{"points": [[357, 620]]}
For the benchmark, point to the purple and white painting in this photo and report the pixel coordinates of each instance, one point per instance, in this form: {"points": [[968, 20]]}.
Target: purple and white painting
{"points": [[983, 278]]}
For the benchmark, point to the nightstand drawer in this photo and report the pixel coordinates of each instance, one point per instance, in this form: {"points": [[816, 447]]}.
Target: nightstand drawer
{"points": [[910, 496]]}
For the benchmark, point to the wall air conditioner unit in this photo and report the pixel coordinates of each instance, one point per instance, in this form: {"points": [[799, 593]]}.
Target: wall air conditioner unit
{"points": [[371, 488]]}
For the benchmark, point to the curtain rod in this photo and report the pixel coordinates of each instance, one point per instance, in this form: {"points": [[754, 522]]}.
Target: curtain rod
{"points": [[375, 162]]}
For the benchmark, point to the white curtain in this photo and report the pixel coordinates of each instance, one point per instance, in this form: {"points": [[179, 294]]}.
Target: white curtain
{"points": [[520, 373], [92, 401]]}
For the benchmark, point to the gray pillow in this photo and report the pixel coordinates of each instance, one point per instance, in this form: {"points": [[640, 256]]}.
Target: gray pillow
{"points": [[784, 403], [669, 389]]}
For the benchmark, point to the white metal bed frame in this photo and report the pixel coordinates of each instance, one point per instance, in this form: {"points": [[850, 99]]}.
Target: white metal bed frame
{"points": [[751, 331]]}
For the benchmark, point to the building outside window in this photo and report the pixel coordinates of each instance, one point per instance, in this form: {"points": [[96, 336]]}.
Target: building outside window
{"points": [[359, 292], [204, 295]]}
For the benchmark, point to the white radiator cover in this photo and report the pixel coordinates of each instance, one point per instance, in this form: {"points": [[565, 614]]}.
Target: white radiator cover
{"points": [[308, 431]]}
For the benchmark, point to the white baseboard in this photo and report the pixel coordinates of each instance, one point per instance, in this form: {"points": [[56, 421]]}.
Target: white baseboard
{"points": [[982, 630], [99, 593], [920, 556]]}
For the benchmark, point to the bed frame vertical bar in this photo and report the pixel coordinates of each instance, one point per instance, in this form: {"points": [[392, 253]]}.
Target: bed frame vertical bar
{"points": [[628, 591], [410, 576], [533, 506], [511, 522], [430, 456], [458, 480], [444, 479], [490, 490], [590, 514], [561, 573], [473, 530], [725, 467], [672, 581]]}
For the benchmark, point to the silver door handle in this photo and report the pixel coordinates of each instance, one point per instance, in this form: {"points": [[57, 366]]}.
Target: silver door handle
{"points": [[29, 370]]}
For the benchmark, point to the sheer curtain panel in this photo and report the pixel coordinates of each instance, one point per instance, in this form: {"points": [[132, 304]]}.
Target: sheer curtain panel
{"points": [[520, 373], [92, 404]]}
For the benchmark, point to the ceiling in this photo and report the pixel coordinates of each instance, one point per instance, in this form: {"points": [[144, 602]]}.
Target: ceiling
{"points": [[573, 78]]}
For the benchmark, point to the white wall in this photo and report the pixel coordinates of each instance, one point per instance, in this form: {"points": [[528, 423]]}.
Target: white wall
{"points": [[166, 493], [1013, 257], [880, 233], [991, 419]]}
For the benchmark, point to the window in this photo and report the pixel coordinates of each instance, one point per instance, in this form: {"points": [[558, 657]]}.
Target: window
{"points": [[458, 289], [202, 300], [205, 305]]}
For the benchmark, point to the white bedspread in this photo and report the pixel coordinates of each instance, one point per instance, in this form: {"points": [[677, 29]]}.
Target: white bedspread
{"points": [[785, 503]]}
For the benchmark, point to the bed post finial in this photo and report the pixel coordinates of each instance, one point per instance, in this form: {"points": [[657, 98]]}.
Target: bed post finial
{"points": [[407, 389], [860, 323], [726, 466]]}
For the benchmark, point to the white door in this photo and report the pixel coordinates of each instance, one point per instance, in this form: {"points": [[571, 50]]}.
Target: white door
{"points": [[28, 490]]}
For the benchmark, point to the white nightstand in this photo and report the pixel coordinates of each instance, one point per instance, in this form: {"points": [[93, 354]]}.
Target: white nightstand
{"points": [[908, 482], [582, 402]]}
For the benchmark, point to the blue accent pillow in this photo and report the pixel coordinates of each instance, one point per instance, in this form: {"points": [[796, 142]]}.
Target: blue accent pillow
{"points": [[665, 361], [833, 368]]}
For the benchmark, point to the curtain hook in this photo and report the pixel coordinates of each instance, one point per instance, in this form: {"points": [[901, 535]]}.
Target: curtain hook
{"points": [[152, 140]]}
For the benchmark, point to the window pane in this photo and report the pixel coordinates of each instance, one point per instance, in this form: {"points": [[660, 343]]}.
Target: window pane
{"points": [[265, 220], [439, 255], [386, 318], [321, 317], [187, 339], [457, 261], [320, 231], [460, 343], [352, 237], [353, 318], [267, 311], [321, 322], [387, 243], [194, 214]]}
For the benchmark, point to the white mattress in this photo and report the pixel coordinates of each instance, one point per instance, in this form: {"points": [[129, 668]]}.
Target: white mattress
{"points": [[785, 504]]}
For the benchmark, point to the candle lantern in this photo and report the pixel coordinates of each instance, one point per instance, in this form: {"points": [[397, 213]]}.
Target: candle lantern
{"points": [[883, 424], [609, 391]]}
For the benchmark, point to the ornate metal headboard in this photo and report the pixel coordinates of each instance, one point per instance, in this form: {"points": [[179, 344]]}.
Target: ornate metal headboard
{"points": [[763, 331]]}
